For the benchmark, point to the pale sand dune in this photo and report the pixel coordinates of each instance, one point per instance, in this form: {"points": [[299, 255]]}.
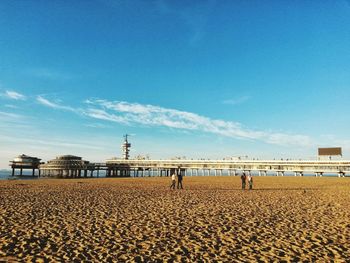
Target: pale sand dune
{"points": [[99, 220]]}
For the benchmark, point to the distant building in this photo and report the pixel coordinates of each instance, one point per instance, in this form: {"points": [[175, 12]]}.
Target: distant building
{"points": [[23, 162], [67, 166]]}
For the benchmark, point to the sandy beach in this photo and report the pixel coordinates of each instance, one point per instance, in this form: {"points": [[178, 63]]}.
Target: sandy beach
{"points": [[290, 219]]}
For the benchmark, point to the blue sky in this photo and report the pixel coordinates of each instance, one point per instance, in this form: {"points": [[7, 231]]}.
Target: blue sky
{"points": [[201, 79]]}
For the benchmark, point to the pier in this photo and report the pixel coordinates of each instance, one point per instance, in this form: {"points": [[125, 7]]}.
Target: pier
{"points": [[122, 167], [70, 166], [143, 167]]}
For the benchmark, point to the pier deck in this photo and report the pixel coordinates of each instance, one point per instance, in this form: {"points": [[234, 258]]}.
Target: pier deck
{"points": [[300, 167]]}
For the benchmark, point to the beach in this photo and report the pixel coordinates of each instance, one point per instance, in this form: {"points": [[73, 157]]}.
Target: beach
{"points": [[289, 219]]}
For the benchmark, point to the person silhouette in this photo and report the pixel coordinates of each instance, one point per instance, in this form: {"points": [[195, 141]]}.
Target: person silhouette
{"points": [[250, 182], [173, 181], [243, 178], [179, 179]]}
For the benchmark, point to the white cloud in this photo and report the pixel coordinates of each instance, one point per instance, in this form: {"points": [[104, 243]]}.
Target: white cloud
{"points": [[285, 139], [8, 116], [96, 125], [49, 74], [236, 101], [47, 103], [153, 116], [54, 105], [14, 95], [130, 114], [102, 115], [10, 106], [51, 142], [11, 123]]}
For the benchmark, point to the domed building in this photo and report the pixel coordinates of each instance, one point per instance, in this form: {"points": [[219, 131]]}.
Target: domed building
{"points": [[66, 166]]}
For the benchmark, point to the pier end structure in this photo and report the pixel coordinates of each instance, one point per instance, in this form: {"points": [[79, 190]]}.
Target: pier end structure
{"points": [[25, 162]]}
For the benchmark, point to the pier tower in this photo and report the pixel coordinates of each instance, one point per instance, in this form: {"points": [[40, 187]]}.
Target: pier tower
{"points": [[126, 147]]}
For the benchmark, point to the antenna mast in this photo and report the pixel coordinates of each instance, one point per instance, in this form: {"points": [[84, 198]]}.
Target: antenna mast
{"points": [[126, 147]]}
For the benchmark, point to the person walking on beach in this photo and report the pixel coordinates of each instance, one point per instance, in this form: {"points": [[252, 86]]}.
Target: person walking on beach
{"points": [[173, 181], [243, 178], [179, 180], [250, 182]]}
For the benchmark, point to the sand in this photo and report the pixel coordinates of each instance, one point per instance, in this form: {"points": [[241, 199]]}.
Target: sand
{"points": [[288, 219]]}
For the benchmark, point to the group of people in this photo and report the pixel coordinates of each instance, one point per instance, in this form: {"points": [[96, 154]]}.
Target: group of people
{"points": [[246, 178], [179, 180]]}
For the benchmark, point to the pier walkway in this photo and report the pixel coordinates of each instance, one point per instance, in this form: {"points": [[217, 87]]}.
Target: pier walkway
{"points": [[121, 167]]}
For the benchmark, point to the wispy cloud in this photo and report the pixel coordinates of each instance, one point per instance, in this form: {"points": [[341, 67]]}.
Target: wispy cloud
{"points": [[10, 106], [132, 114], [10, 122], [51, 142], [50, 74], [6, 116], [237, 101], [10, 94], [96, 125], [54, 105], [155, 116]]}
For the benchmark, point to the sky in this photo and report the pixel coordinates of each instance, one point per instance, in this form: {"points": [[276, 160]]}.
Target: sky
{"points": [[195, 79]]}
